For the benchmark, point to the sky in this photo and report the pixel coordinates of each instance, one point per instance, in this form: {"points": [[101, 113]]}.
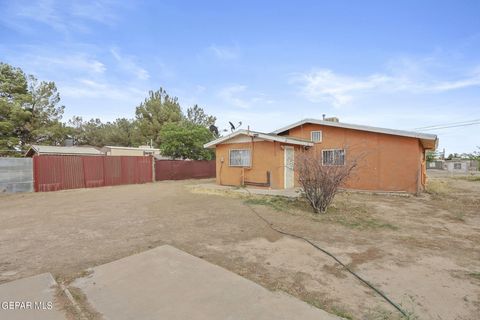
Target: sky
{"points": [[401, 65]]}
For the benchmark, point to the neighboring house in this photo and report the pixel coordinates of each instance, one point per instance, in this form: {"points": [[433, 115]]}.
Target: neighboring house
{"points": [[454, 165], [130, 151], [461, 165], [56, 150], [389, 160], [436, 164]]}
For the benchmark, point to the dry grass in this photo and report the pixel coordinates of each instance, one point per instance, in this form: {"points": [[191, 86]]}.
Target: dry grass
{"points": [[425, 247], [438, 187], [475, 275], [342, 211], [473, 178]]}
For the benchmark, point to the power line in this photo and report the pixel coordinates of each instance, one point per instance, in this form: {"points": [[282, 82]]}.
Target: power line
{"points": [[452, 126], [447, 124]]}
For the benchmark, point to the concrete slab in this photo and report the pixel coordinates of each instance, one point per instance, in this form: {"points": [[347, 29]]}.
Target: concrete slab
{"points": [[29, 298], [166, 283]]}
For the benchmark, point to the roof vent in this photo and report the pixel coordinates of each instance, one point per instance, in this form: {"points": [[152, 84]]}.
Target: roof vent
{"points": [[332, 119]]}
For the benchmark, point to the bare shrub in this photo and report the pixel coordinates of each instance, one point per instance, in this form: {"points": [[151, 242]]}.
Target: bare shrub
{"points": [[321, 179]]}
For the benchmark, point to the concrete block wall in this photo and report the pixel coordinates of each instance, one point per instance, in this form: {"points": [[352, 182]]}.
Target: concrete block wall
{"points": [[16, 175]]}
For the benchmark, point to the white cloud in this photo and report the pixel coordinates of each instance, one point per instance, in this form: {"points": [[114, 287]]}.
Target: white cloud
{"points": [[238, 96], [86, 77], [62, 16], [128, 63], [87, 88], [225, 52], [231, 95], [339, 89], [78, 62]]}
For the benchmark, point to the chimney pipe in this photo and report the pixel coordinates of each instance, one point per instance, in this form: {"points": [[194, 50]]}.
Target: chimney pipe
{"points": [[323, 115]]}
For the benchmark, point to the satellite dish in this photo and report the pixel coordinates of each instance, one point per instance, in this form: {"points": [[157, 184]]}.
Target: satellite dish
{"points": [[213, 129]]}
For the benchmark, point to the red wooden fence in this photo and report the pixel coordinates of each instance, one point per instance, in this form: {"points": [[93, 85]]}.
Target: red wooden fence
{"points": [[53, 173], [184, 169]]}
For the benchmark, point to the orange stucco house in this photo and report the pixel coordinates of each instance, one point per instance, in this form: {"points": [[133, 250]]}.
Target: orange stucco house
{"points": [[390, 160]]}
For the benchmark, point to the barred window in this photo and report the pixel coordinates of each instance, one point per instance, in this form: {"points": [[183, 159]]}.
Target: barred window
{"points": [[316, 136], [240, 158], [335, 157]]}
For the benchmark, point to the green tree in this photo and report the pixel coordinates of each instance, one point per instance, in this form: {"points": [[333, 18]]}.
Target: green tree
{"points": [[90, 132], [14, 116], [122, 132], [158, 109], [29, 111], [185, 140], [431, 156], [197, 115], [44, 126]]}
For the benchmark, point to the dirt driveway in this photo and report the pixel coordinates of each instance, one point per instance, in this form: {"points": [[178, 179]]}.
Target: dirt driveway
{"points": [[423, 252]]}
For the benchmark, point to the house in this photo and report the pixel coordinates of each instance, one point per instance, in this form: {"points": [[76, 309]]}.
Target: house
{"points": [[436, 164], [66, 151], [454, 165], [130, 151], [389, 160], [460, 165]]}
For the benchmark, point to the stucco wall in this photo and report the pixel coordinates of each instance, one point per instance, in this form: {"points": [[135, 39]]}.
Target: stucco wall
{"points": [[386, 162], [266, 156], [450, 166]]}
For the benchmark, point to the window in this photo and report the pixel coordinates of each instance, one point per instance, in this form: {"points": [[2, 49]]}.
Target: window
{"points": [[316, 136], [240, 158], [457, 166], [333, 157]]}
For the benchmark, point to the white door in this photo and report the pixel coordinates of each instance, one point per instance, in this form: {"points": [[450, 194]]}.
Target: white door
{"points": [[289, 164]]}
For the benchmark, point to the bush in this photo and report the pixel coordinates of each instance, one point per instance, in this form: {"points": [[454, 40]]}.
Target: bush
{"points": [[320, 182]]}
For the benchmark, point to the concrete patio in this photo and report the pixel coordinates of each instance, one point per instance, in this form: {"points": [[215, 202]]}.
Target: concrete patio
{"points": [[30, 298], [167, 283], [161, 283]]}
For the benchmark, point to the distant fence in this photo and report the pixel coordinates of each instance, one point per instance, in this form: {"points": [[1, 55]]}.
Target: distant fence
{"points": [[16, 175], [184, 169], [53, 173]]}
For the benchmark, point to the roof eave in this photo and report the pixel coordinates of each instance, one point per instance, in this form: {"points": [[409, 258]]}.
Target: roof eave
{"points": [[418, 135], [253, 134]]}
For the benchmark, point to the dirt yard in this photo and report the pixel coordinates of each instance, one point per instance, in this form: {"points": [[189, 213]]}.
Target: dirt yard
{"points": [[423, 252]]}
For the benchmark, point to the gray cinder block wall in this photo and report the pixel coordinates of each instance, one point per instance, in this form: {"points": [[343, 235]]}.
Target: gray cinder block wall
{"points": [[16, 175]]}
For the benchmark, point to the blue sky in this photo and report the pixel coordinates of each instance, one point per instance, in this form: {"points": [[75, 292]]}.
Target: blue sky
{"points": [[400, 65]]}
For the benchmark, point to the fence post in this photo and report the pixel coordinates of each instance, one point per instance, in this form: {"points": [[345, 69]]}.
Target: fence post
{"points": [[153, 167]]}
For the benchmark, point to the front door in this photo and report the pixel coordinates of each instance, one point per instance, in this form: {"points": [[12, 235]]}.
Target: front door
{"points": [[289, 164]]}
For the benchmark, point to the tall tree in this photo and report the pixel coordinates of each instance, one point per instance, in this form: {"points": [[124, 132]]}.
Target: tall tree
{"points": [[14, 116], [158, 109], [122, 132], [87, 132], [44, 125], [29, 111], [197, 115], [185, 140]]}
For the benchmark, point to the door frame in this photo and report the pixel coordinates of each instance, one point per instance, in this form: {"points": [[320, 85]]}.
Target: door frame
{"points": [[285, 166]]}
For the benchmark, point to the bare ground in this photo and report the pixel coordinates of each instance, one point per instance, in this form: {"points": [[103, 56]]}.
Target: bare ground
{"points": [[423, 252]]}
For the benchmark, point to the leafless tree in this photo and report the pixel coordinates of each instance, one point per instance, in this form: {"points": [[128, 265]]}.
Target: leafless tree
{"points": [[320, 175]]}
